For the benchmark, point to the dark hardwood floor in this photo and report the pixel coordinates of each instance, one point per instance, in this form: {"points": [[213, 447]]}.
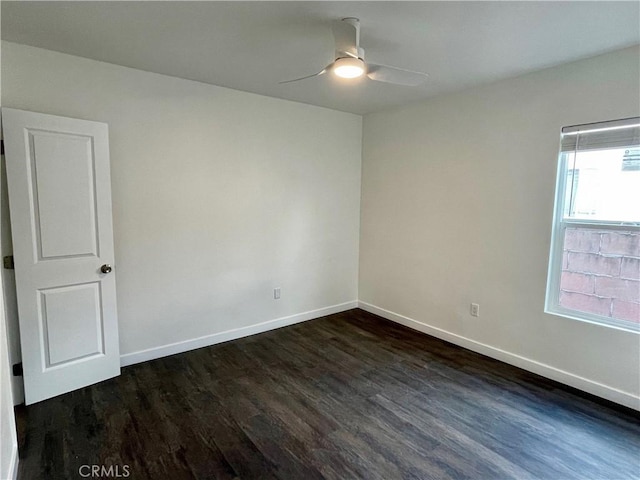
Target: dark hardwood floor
{"points": [[346, 396]]}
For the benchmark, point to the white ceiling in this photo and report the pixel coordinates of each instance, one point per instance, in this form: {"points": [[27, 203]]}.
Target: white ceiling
{"points": [[252, 45]]}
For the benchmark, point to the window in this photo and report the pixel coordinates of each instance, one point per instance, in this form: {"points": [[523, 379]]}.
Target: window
{"points": [[594, 266]]}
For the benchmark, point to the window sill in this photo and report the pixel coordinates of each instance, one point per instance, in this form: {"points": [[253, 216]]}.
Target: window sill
{"points": [[593, 319]]}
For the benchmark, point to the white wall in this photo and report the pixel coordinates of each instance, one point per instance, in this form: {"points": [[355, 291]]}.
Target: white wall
{"points": [[9, 281], [8, 440], [457, 202], [218, 195]]}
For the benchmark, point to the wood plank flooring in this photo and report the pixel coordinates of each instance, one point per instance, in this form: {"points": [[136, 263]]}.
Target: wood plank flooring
{"points": [[342, 397]]}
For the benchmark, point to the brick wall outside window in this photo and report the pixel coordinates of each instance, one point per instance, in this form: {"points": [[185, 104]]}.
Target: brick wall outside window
{"points": [[601, 273]]}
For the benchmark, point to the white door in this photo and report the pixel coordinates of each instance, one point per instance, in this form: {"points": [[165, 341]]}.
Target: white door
{"points": [[60, 204]]}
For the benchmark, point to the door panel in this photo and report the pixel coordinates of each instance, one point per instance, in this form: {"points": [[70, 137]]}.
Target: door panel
{"points": [[63, 204], [72, 323], [60, 203]]}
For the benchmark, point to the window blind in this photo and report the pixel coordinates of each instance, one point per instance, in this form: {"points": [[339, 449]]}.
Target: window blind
{"points": [[597, 136]]}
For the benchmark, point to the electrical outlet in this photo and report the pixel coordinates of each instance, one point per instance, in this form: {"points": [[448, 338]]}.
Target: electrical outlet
{"points": [[276, 293], [475, 310]]}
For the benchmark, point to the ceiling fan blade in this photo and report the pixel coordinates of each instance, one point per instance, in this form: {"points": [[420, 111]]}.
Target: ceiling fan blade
{"points": [[346, 33], [398, 76], [321, 72]]}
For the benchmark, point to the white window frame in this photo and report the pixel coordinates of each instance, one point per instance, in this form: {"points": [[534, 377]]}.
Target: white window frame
{"points": [[560, 224]]}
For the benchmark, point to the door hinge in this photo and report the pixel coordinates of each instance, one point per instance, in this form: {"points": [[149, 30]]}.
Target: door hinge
{"points": [[1, 147], [17, 370], [7, 262]]}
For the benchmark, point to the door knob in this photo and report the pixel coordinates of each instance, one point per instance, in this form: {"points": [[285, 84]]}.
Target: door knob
{"points": [[106, 268]]}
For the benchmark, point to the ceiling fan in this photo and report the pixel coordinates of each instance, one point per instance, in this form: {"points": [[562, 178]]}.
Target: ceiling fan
{"points": [[349, 59]]}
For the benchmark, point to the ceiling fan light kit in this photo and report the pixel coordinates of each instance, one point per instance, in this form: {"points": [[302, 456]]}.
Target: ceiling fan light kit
{"points": [[350, 63], [349, 67]]}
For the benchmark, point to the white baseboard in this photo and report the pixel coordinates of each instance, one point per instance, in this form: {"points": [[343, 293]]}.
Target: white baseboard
{"points": [[618, 396], [192, 344]]}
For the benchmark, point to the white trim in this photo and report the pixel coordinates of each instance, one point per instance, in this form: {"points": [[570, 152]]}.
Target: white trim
{"points": [[207, 340], [613, 394], [601, 224], [594, 319], [600, 126], [13, 463], [552, 295]]}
